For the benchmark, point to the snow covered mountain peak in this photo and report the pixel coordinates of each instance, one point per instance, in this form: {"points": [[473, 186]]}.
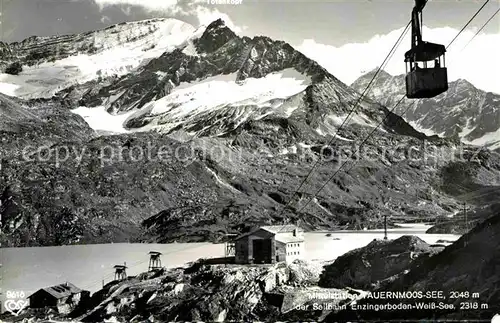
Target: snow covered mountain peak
{"points": [[215, 35], [165, 75], [51, 64], [381, 74], [230, 80], [463, 84], [216, 25], [463, 111]]}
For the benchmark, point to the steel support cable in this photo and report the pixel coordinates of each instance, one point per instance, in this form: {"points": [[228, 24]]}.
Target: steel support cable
{"points": [[361, 145], [467, 24], [332, 141], [482, 27], [397, 104]]}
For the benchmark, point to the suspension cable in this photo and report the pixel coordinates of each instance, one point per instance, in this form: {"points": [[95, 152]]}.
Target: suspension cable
{"points": [[386, 59], [470, 20], [480, 29], [380, 123]]}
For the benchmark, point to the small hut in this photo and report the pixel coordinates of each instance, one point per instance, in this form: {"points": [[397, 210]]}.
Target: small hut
{"points": [[64, 297]]}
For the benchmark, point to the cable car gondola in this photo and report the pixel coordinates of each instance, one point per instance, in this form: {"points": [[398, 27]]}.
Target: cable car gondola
{"points": [[426, 74]]}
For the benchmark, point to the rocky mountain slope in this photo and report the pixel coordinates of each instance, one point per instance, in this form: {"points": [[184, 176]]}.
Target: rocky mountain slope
{"points": [[205, 292], [51, 64], [466, 273], [216, 133], [463, 111], [366, 267]]}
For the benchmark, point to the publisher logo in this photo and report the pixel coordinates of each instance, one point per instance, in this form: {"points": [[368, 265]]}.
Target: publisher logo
{"points": [[15, 302]]}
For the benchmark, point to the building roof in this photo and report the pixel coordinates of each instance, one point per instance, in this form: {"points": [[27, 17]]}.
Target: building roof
{"points": [[286, 239], [274, 229], [280, 228], [61, 291]]}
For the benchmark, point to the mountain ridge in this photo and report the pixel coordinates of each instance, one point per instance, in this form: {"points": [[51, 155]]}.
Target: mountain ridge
{"points": [[463, 112], [66, 60], [244, 156]]}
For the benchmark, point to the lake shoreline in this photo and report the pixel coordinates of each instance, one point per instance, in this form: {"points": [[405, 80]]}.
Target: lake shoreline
{"points": [[86, 266]]}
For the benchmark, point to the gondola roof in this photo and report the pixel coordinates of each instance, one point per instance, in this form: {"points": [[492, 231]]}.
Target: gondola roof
{"points": [[424, 52]]}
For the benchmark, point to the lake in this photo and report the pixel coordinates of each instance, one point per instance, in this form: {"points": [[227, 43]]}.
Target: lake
{"points": [[86, 266]]}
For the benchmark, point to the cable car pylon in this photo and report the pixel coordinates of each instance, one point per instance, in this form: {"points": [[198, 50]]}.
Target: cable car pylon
{"points": [[422, 79]]}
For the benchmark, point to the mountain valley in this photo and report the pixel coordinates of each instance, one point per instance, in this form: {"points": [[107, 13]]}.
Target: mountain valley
{"points": [[230, 125]]}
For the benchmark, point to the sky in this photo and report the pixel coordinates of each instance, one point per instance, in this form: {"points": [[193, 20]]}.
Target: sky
{"points": [[348, 37]]}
